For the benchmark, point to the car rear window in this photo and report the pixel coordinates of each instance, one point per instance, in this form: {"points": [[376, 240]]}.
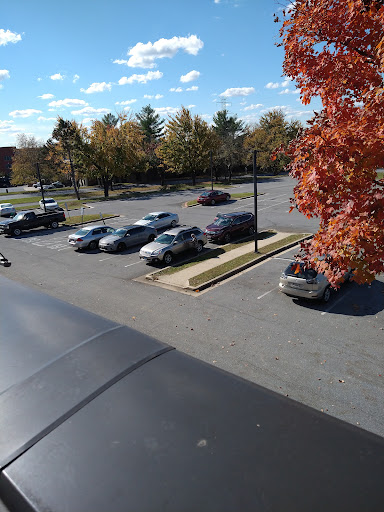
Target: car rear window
{"points": [[298, 270]]}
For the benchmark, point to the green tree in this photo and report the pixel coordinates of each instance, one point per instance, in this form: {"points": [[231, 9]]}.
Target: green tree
{"points": [[230, 133], [186, 145], [151, 123], [110, 151], [67, 140], [29, 151], [110, 120], [152, 126], [268, 134]]}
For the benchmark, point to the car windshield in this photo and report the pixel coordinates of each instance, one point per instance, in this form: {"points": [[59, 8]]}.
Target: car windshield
{"points": [[296, 269], [83, 232], [149, 217], [222, 221], [19, 216], [49, 201], [6, 205], [205, 194], [165, 239], [120, 231]]}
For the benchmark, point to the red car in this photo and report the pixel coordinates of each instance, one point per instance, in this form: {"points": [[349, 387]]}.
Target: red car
{"points": [[213, 196]]}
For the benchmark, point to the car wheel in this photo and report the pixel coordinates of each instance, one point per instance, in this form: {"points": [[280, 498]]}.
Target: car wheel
{"points": [[199, 246], [327, 294], [228, 197], [121, 246], [92, 245], [168, 258], [16, 232], [151, 238], [54, 224], [173, 223], [213, 202], [251, 230], [227, 238]]}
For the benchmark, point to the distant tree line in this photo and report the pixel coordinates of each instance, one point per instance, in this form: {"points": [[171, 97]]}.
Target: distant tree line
{"points": [[146, 147]]}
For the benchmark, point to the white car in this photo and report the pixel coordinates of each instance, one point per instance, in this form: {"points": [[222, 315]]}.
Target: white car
{"points": [[50, 203], [159, 220], [7, 210], [48, 187]]}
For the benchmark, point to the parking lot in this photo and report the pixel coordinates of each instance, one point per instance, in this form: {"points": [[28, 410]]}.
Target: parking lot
{"points": [[327, 356]]}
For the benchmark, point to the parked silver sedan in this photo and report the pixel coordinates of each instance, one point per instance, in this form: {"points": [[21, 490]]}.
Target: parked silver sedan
{"points": [[298, 281], [127, 236], [89, 236], [7, 210], [159, 220]]}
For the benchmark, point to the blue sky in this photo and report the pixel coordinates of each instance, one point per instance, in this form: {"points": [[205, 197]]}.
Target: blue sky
{"points": [[82, 59]]}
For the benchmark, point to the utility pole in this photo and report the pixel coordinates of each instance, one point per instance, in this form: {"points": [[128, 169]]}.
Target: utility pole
{"points": [[211, 166], [255, 197], [41, 186]]}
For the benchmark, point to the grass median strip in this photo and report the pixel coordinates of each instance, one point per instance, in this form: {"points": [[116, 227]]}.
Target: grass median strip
{"points": [[78, 219], [219, 270]]}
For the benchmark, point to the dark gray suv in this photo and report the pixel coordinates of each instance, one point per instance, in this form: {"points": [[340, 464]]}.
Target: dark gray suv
{"points": [[172, 242]]}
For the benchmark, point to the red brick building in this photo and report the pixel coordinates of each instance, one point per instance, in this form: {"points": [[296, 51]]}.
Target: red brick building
{"points": [[6, 157]]}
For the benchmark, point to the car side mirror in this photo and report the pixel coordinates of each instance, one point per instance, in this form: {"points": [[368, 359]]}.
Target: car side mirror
{"points": [[175, 242]]}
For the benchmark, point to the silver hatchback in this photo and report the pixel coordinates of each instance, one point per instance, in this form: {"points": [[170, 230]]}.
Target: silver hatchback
{"points": [[127, 236], [298, 281], [172, 242], [89, 236]]}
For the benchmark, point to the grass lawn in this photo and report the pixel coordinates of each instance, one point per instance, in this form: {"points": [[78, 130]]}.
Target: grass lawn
{"points": [[241, 260]]}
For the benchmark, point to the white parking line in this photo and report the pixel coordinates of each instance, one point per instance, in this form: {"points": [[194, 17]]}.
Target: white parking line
{"points": [[266, 293], [109, 258], [130, 265], [271, 206], [335, 303]]}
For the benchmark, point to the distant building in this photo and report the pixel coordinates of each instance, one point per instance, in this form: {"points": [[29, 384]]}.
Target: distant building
{"points": [[6, 157]]}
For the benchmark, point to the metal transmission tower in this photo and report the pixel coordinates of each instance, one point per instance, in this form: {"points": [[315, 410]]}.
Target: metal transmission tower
{"points": [[223, 104]]}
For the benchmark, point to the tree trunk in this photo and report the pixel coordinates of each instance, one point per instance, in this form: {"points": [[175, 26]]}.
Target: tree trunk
{"points": [[105, 183], [73, 177], [193, 178]]}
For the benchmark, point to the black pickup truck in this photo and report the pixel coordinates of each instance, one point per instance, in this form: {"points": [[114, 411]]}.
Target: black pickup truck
{"points": [[30, 219]]}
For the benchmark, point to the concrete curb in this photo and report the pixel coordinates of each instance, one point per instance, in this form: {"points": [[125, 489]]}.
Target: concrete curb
{"points": [[195, 289], [237, 270]]}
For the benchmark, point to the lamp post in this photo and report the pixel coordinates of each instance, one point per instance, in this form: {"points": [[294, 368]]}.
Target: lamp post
{"points": [[211, 166], [41, 185], [255, 197]]}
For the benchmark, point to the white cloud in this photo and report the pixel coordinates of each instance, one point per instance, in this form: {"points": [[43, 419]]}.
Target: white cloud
{"points": [[57, 76], [272, 85], [190, 77], [176, 89], [4, 73], [88, 111], [151, 96], [164, 111], [7, 126], [193, 88], [42, 118], [286, 82], [67, 103], [75, 78], [237, 91], [216, 1], [253, 107], [144, 55], [24, 113], [142, 79], [97, 87], [127, 102], [6, 36], [285, 91], [46, 96]]}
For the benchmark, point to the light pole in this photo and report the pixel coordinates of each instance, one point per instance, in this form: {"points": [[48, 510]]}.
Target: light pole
{"points": [[255, 197], [41, 185], [211, 166]]}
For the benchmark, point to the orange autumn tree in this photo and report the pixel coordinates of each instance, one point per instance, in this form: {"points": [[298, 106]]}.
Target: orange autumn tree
{"points": [[334, 49]]}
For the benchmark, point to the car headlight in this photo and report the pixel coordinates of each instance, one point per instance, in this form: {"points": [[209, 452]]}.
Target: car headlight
{"points": [[158, 251]]}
